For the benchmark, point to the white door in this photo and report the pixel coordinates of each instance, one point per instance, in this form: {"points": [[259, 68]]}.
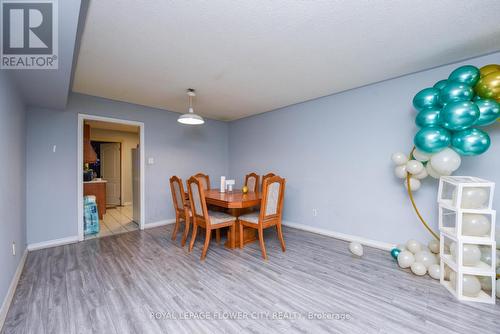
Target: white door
{"points": [[111, 172]]}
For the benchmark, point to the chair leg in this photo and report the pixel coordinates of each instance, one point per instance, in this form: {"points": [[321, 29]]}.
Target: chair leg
{"points": [[280, 236], [241, 235], [261, 242], [232, 229], [186, 232], [207, 242], [193, 237], [176, 227], [217, 236]]}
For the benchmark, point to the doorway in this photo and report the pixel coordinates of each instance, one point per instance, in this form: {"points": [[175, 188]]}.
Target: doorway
{"points": [[110, 176]]}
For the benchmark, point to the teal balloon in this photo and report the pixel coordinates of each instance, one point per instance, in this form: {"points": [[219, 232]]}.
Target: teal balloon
{"points": [[467, 74], [432, 139], [489, 112], [395, 252], [461, 115], [440, 84], [477, 98], [428, 117], [455, 91], [426, 98], [470, 142]]}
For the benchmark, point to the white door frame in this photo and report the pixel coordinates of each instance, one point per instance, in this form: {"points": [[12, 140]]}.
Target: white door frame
{"points": [[81, 119]]}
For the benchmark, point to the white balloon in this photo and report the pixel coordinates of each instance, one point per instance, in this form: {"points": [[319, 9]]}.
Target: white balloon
{"points": [[433, 246], [485, 282], [418, 269], [399, 158], [498, 288], [446, 161], [435, 271], [414, 167], [400, 171], [422, 175], [414, 184], [413, 246], [471, 254], [474, 198], [431, 171], [405, 259], [475, 225], [356, 248], [426, 258], [471, 286], [420, 156]]}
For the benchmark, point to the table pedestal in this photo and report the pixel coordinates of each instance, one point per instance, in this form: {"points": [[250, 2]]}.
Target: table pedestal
{"points": [[249, 234]]}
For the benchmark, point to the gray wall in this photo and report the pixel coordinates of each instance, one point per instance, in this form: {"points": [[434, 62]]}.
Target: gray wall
{"points": [[12, 181], [52, 177], [335, 154]]}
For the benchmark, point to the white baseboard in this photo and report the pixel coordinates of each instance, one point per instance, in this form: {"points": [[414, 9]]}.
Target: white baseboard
{"points": [[53, 243], [337, 235], [159, 223], [12, 289]]}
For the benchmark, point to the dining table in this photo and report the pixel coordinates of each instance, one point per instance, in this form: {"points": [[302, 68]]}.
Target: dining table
{"points": [[236, 203]]}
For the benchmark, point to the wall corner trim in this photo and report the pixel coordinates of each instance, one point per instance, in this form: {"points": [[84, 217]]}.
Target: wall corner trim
{"points": [[159, 223], [342, 236], [12, 289], [53, 243]]}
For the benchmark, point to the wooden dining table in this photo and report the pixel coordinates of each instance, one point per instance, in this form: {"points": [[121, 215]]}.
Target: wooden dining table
{"points": [[237, 204]]}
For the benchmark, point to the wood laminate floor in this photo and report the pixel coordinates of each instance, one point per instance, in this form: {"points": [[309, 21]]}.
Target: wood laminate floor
{"points": [[113, 284]]}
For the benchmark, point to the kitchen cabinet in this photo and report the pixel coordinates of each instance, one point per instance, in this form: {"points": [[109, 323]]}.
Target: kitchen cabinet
{"points": [[97, 189]]}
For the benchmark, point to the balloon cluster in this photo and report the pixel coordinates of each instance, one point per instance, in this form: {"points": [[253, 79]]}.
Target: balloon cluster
{"points": [[418, 258], [449, 116]]}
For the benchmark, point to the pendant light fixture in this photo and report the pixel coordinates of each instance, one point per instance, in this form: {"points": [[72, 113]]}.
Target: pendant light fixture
{"points": [[190, 117]]}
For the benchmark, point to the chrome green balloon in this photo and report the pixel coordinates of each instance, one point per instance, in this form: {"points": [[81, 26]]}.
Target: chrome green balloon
{"points": [[428, 117], [395, 252], [440, 84], [432, 139], [467, 74], [455, 91], [457, 116], [470, 142], [489, 112], [426, 98]]}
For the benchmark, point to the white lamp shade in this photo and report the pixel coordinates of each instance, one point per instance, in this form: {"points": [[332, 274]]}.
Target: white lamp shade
{"points": [[190, 119]]}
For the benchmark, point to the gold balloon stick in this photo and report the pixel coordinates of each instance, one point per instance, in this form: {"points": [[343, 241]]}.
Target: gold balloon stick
{"points": [[415, 205]]}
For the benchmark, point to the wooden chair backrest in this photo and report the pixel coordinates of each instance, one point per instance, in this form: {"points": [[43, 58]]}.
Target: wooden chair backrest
{"points": [[177, 189], [197, 199], [205, 180], [252, 182], [273, 191], [264, 177]]}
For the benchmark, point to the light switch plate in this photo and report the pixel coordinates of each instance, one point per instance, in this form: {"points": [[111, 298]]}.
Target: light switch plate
{"points": [[151, 161]]}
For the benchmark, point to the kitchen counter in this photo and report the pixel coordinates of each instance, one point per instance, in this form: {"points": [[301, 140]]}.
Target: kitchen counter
{"points": [[96, 181], [97, 189]]}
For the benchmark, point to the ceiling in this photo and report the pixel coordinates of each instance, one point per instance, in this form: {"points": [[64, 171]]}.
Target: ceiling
{"points": [[50, 88], [112, 126], [248, 57]]}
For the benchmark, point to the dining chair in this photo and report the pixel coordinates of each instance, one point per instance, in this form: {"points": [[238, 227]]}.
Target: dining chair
{"points": [[252, 182], [205, 180], [210, 220], [181, 207], [264, 177], [270, 214]]}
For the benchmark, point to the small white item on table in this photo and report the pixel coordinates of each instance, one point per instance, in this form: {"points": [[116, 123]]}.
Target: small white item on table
{"points": [[230, 184]]}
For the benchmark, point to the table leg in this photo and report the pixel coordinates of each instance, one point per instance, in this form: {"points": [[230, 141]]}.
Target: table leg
{"points": [[249, 235]]}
